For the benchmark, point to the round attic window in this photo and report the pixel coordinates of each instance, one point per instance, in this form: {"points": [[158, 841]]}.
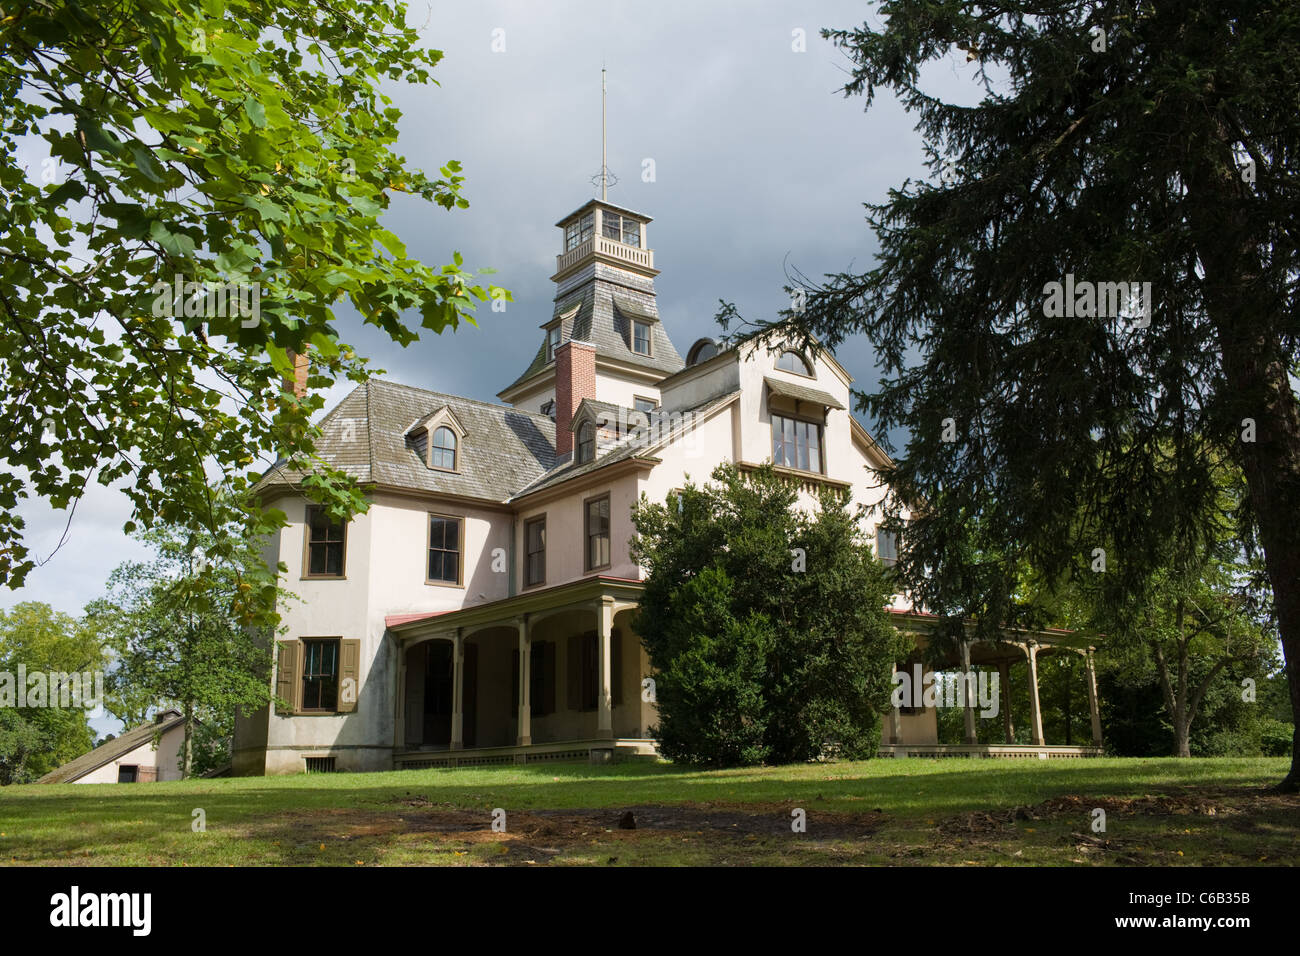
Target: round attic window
{"points": [[702, 351]]}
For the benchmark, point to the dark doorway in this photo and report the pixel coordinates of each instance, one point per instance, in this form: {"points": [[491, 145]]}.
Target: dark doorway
{"points": [[437, 694], [126, 774]]}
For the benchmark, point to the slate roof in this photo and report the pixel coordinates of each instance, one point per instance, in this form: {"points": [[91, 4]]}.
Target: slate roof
{"points": [[630, 446], [604, 318], [106, 753], [365, 435]]}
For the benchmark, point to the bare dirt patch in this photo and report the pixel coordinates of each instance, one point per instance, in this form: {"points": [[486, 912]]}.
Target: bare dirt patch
{"points": [[1234, 802], [537, 836]]}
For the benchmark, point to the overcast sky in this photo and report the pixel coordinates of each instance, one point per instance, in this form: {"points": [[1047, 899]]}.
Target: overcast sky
{"points": [[759, 160]]}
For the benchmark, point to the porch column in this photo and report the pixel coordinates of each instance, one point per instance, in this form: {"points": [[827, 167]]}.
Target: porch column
{"points": [[604, 696], [1004, 699], [1094, 709], [525, 683], [1035, 713], [458, 691], [399, 722], [895, 722], [967, 692]]}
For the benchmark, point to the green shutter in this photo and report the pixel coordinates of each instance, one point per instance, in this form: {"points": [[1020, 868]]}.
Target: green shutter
{"points": [[548, 680], [573, 672], [286, 678], [349, 675], [590, 671]]}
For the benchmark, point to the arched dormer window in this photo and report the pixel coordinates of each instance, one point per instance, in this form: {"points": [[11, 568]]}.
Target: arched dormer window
{"points": [[791, 361], [586, 442], [702, 351], [442, 449]]}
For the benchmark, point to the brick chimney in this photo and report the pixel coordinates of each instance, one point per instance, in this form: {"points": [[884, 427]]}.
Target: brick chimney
{"points": [[575, 379], [300, 364]]}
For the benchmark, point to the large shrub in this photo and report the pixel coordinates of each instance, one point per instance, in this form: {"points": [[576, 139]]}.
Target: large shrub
{"points": [[767, 624]]}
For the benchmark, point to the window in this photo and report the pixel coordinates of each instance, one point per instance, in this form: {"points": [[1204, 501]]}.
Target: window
{"points": [[126, 773], [535, 551], [325, 540], [641, 337], [586, 441], [645, 404], [442, 449], [887, 547], [597, 532], [702, 351], [444, 550], [579, 231], [317, 675], [796, 443], [622, 229], [793, 362], [320, 674], [319, 764], [553, 337]]}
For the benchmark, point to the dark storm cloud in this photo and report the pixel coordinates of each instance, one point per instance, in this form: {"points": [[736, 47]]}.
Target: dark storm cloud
{"points": [[759, 162]]}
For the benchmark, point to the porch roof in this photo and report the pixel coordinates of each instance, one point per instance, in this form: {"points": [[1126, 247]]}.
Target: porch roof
{"points": [[920, 622], [536, 599]]}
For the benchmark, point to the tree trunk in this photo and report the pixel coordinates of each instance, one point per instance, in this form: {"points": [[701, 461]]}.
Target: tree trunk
{"points": [[1246, 312], [1175, 696], [1272, 468]]}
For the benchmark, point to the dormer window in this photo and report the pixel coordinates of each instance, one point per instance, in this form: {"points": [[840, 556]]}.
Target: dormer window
{"points": [[579, 231], [622, 229], [553, 337], [793, 362], [437, 438], [702, 351], [641, 337], [586, 442], [442, 449]]}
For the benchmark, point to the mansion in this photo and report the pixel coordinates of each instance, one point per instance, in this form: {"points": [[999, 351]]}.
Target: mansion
{"points": [[482, 610]]}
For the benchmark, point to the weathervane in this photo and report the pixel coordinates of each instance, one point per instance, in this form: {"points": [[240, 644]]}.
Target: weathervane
{"points": [[604, 179]]}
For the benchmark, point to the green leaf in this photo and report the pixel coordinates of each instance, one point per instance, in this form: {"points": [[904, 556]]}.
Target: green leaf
{"points": [[175, 243], [71, 190], [97, 138], [256, 112], [144, 162]]}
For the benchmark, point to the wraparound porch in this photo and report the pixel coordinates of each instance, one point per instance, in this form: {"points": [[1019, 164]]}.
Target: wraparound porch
{"points": [[908, 732], [552, 674]]}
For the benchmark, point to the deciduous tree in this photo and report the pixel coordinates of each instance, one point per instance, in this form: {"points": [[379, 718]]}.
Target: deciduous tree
{"points": [[216, 178]]}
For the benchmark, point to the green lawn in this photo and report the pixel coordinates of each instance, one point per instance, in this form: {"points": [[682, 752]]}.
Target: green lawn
{"points": [[884, 811]]}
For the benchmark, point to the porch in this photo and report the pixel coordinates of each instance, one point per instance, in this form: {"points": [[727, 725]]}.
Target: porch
{"points": [[552, 674], [912, 731]]}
